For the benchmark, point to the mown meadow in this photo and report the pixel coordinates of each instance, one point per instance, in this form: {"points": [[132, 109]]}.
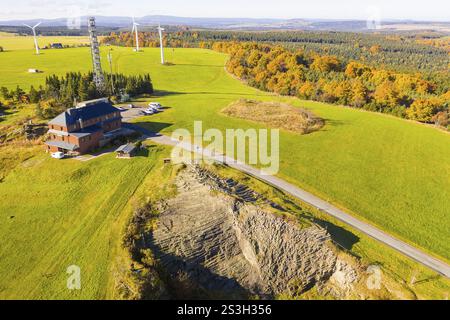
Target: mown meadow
{"points": [[390, 172], [57, 214]]}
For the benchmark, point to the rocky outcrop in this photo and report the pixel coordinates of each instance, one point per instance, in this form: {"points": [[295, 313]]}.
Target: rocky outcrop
{"points": [[213, 237]]}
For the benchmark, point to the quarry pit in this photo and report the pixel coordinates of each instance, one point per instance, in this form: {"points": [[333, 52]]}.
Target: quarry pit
{"points": [[215, 240]]}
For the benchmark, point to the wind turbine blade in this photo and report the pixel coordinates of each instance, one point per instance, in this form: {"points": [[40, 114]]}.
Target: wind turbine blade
{"points": [[28, 26], [37, 25]]}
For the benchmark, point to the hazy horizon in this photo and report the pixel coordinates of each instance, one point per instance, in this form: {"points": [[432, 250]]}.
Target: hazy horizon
{"points": [[416, 10]]}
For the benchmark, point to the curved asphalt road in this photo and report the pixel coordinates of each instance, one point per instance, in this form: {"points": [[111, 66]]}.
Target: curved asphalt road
{"points": [[408, 250]]}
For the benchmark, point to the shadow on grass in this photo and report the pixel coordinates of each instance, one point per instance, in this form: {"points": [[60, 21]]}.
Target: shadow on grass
{"points": [[334, 123], [6, 112], [200, 65], [143, 153], [164, 93], [339, 235], [151, 127]]}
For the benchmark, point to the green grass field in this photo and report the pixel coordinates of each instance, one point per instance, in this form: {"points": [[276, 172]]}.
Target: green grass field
{"points": [[389, 171], [393, 173], [66, 213], [12, 42]]}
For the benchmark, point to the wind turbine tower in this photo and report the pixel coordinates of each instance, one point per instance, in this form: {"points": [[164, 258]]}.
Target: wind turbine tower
{"points": [[36, 45], [160, 30], [99, 78], [135, 30]]}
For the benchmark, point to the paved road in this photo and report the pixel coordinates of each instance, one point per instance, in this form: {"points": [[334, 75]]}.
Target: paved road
{"points": [[406, 249]]}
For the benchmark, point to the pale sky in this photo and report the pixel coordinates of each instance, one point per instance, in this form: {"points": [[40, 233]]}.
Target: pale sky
{"points": [[327, 9]]}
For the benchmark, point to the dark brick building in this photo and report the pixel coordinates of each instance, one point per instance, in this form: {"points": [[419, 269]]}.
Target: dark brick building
{"points": [[84, 128]]}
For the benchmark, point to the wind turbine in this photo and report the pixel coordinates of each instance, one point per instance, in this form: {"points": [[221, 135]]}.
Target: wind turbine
{"points": [[160, 30], [34, 35], [135, 29]]}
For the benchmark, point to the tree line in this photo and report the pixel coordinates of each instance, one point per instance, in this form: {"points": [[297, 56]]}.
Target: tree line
{"points": [[329, 79], [179, 39], [61, 93], [400, 52]]}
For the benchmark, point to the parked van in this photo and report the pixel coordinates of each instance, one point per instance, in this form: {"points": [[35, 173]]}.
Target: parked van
{"points": [[58, 155]]}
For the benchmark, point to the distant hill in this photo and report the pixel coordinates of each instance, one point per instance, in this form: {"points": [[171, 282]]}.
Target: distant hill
{"points": [[247, 23], [103, 21]]}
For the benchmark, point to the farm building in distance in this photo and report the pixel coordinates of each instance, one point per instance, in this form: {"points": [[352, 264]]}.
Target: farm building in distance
{"points": [[92, 124], [56, 46]]}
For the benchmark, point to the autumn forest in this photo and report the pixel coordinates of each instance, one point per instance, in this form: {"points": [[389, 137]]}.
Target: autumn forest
{"points": [[403, 75]]}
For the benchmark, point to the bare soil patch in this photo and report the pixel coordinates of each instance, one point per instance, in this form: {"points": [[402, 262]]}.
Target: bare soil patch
{"points": [[275, 115]]}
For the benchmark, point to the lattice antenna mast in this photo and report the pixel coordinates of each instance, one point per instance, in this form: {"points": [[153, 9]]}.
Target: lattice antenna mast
{"points": [[99, 78]]}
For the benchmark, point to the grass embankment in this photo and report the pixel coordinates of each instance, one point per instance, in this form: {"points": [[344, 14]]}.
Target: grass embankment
{"points": [[275, 115], [124, 282]]}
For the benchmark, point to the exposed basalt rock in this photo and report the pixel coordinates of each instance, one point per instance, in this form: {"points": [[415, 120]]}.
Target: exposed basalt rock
{"points": [[343, 280], [285, 256], [230, 187], [224, 246]]}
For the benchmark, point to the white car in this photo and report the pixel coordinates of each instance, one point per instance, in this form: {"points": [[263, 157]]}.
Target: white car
{"points": [[58, 155], [148, 112], [155, 105], [154, 109]]}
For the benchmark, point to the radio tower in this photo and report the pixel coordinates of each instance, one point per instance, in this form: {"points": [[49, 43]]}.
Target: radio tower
{"points": [[99, 78]]}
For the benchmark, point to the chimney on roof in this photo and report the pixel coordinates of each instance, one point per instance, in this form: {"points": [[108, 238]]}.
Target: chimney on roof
{"points": [[91, 102], [80, 121]]}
